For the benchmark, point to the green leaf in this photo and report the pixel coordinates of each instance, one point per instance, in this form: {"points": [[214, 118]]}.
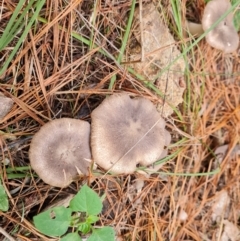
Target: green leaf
{"points": [[71, 237], [4, 205], [84, 227], [103, 234], [53, 222], [87, 201], [92, 219], [124, 41]]}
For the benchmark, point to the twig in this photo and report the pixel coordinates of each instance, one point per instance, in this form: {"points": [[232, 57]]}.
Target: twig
{"points": [[15, 144], [8, 236], [141, 30]]}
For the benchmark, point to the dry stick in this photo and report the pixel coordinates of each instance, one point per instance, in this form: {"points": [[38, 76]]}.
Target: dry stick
{"points": [[8, 236], [141, 31], [166, 85], [71, 45]]}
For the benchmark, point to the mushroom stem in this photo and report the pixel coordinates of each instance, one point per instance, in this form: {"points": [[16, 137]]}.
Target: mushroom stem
{"points": [[194, 29]]}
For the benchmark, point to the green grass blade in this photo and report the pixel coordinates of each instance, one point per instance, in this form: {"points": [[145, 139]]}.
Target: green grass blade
{"points": [[18, 169], [19, 175], [19, 23], [124, 42], [39, 5], [176, 7], [10, 24], [197, 174]]}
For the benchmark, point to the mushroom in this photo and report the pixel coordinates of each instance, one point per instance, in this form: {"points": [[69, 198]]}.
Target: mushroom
{"points": [[5, 105], [224, 36], [60, 151], [126, 132]]}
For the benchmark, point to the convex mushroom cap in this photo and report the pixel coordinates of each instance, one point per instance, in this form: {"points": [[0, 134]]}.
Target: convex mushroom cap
{"points": [[224, 36], [60, 150], [126, 132]]}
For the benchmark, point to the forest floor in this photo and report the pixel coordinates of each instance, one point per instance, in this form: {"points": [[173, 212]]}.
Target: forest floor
{"points": [[65, 67]]}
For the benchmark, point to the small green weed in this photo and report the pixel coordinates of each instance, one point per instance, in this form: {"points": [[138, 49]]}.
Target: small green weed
{"points": [[80, 217], [4, 205]]}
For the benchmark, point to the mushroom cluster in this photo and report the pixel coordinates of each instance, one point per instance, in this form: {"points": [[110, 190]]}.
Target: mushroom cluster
{"points": [[125, 132], [224, 35]]}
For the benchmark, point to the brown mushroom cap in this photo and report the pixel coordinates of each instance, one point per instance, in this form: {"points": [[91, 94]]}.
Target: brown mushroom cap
{"points": [[224, 36], [59, 150], [126, 132]]}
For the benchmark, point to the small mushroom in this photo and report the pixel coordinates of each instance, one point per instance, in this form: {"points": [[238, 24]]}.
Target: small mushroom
{"points": [[224, 36], [60, 150], [5, 105], [126, 132]]}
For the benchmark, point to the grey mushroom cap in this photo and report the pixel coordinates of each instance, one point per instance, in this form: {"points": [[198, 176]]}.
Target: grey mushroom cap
{"points": [[126, 132], [5, 105], [60, 150], [224, 36]]}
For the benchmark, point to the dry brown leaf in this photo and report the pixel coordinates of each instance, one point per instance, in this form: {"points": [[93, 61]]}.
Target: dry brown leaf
{"points": [[158, 49]]}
